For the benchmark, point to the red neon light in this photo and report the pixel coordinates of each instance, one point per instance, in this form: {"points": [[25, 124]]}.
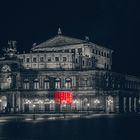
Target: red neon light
{"points": [[63, 97]]}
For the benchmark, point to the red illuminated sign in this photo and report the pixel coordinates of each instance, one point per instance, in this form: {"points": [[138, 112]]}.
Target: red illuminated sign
{"points": [[63, 97]]}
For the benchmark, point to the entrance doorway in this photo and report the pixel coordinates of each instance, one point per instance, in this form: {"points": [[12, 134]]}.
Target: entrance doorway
{"points": [[3, 103], [109, 104], [26, 107]]}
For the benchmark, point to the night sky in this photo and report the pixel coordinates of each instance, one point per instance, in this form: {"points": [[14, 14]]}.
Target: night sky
{"points": [[112, 23]]}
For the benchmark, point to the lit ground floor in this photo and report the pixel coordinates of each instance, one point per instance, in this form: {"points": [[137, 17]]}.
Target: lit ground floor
{"points": [[103, 101]]}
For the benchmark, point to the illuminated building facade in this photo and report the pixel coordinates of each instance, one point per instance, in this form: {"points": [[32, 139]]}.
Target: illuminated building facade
{"points": [[64, 74]]}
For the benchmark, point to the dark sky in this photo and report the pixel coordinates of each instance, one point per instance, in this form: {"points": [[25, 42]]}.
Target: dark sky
{"points": [[112, 23]]}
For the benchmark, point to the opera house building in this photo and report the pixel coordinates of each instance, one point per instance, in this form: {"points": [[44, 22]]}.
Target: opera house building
{"points": [[64, 74]]}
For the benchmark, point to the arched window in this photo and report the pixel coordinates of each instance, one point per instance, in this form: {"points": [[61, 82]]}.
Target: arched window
{"points": [[57, 83], [26, 84], [36, 84], [46, 84], [68, 82]]}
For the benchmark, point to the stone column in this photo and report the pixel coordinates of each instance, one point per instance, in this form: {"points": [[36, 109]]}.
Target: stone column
{"points": [[13, 101], [130, 104], [21, 104], [135, 104], [0, 104], [116, 104], [17, 102], [124, 104], [8, 103]]}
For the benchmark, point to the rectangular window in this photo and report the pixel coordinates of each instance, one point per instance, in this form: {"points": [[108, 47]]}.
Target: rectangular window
{"points": [[27, 60], [107, 55], [79, 50], [21, 60], [34, 59], [76, 60], [102, 53], [83, 62], [59, 51], [64, 59], [57, 59], [67, 51], [105, 65], [49, 59], [41, 59], [73, 50], [96, 51]]}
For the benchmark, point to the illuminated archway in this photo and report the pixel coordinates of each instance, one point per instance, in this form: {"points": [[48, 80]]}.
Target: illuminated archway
{"points": [[109, 104], [3, 103]]}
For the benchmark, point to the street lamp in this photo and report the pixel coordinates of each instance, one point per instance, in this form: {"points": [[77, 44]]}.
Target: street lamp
{"points": [[96, 101], [88, 105]]}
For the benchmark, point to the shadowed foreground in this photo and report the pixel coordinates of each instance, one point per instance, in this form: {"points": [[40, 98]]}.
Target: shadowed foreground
{"points": [[96, 127]]}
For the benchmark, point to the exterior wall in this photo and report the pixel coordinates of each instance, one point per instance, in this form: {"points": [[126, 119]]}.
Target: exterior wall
{"points": [[102, 55], [93, 90], [48, 61], [28, 81], [79, 56]]}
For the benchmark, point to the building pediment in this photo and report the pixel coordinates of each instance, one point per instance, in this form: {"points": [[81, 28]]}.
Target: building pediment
{"points": [[57, 41]]}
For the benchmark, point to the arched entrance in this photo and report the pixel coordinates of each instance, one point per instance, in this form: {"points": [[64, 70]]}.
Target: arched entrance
{"points": [[109, 104], [47, 105], [3, 103]]}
